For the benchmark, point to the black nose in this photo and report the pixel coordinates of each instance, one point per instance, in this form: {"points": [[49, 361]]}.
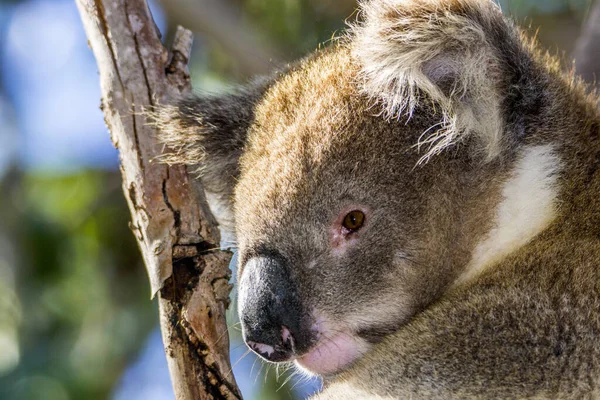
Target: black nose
{"points": [[270, 309]]}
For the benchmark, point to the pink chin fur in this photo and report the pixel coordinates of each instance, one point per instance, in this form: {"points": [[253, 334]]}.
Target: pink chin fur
{"points": [[333, 354]]}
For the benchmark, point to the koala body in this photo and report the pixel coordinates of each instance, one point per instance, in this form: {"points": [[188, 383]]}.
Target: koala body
{"points": [[416, 208]]}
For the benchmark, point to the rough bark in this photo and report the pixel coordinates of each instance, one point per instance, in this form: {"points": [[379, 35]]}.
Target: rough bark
{"points": [[175, 230]]}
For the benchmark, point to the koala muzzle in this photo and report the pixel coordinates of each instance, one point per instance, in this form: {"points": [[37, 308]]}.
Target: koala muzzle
{"points": [[270, 310]]}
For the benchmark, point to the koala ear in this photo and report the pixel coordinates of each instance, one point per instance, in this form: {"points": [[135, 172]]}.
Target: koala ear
{"points": [[450, 53], [208, 133]]}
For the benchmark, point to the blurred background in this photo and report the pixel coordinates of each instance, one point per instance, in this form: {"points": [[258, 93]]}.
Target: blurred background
{"points": [[76, 321]]}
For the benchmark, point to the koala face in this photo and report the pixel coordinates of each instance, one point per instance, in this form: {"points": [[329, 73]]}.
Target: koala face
{"points": [[339, 236], [361, 180], [319, 243]]}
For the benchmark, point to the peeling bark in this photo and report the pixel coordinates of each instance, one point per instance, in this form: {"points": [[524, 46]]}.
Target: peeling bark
{"points": [[175, 230]]}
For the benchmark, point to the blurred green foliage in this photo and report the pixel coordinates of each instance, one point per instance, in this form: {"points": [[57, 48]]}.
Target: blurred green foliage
{"points": [[295, 26], [529, 7], [81, 292], [292, 28]]}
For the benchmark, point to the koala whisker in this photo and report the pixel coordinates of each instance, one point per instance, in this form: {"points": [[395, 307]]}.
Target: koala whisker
{"points": [[253, 364], [238, 360], [259, 371], [304, 379], [281, 369], [226, 333], [287, 380], [277, 375], [238, 346], [269, 368], [234, 325]]}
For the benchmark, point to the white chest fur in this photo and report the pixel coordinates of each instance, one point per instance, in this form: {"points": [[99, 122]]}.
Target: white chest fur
{"points": [[527, 207]]}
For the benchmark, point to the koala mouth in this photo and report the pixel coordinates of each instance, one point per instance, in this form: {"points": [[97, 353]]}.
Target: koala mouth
{"points": [[333, 354]]}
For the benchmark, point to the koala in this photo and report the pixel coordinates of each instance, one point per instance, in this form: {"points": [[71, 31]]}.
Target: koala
{"points": [[416, 208]]}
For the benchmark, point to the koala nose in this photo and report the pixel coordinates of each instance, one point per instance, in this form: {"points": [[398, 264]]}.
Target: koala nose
{"points": [[270, 309], [282, 351]]}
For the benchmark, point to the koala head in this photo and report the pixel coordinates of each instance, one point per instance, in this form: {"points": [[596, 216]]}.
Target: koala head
{"points": [[361, 178]]}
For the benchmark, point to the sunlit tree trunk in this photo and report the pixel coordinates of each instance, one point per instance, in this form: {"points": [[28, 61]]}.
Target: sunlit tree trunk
{"points": [[174, 228]]}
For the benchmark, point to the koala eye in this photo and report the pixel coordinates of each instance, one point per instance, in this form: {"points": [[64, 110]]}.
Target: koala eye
{"points": [[354, 220]]}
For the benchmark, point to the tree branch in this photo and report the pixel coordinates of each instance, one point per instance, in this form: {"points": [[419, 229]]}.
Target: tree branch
{"points": [[218, 19], [175, 230]]}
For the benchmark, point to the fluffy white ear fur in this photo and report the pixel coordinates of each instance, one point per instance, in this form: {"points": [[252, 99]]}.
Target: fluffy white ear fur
{"points": [[440, 49]]}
